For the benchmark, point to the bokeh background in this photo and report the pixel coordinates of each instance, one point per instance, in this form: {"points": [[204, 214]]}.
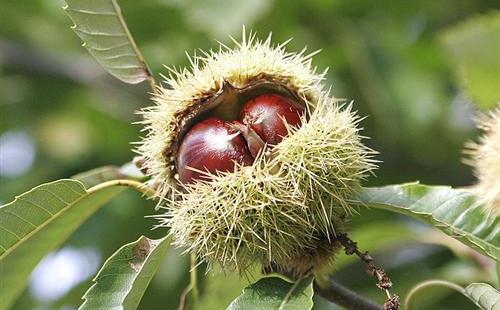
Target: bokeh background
{"points": [[404, 63]]}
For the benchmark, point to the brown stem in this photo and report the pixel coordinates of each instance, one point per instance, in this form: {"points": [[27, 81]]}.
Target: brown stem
{"points": [[383, 281], [342, 296]]}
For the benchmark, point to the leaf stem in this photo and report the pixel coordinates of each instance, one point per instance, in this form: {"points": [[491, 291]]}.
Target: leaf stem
{"points": [[194, 278], [190, 293], [139, 186], [150, 77], [343, 296], [430, 283]]}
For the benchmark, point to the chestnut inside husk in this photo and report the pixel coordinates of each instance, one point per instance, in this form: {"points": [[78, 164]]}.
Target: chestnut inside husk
{"points": [[281, 207], [232, 127]]}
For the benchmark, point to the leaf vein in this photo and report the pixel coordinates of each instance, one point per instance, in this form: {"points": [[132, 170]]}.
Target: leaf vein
{"points": [[19, 217], [35, 205], [99, 33], [107, 48], [89, 12], [10, 232], [55, 195]]}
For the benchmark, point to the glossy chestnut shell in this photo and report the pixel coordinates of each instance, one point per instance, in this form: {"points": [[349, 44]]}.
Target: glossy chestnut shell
{"points": [[232, 129], [266, 115], [209, 146]]}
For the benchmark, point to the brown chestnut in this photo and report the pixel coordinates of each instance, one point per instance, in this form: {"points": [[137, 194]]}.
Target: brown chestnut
{"points": [[211, 145], [214, 145], [265, 115]]}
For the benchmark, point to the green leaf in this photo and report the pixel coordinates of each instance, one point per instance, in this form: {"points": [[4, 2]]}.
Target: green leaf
{"points": [[276, 293], [37, 222], [107, 173], [454, 211], [474, 46], [221, 287], [483, 295], [124, 277], [101, 26]]}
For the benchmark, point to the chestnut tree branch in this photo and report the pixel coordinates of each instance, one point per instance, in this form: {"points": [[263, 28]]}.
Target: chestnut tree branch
{"points": [[342, 296]]}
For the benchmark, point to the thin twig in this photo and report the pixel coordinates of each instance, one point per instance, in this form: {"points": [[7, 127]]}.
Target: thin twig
{"points": [[190, 294], [383, 281], [194, 278], [344, 297]]}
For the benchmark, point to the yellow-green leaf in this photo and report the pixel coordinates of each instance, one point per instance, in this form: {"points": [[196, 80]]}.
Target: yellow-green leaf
{"points": [[124, 277], [39, 221], [101, 26], [483, 295], [454, 211], [276, 294]]}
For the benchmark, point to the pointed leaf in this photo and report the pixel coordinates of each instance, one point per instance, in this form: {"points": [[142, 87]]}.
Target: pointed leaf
{"points": [[453, 211], [276, 293], [483, 295], [101, 26], [124, 277], [36, 223]]}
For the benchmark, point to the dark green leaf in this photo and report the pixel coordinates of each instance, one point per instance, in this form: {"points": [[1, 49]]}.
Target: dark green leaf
{"points": [[276, 293], [36, 223], [220, 287], [454, 211], [101, 26], [124, 277]]}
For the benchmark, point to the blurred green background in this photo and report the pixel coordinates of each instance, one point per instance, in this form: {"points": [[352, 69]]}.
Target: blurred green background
{"points": [[404, 63]]}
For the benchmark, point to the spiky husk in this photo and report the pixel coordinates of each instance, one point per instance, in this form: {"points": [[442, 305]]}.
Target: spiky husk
{"points": [[286, 208], [250, 60], [485, 158], [274, 210]]}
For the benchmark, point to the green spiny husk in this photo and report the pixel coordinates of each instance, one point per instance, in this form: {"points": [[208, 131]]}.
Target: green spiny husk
{"points": [[285, 209]]}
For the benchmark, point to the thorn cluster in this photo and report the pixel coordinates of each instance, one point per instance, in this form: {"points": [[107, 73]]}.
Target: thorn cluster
{"points": [[484, 157], [284, 209]]}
